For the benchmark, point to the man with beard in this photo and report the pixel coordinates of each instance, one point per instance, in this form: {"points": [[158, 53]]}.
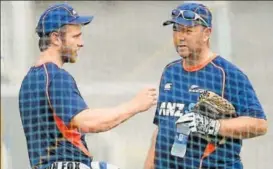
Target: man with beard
{"points": [[54, 115]]}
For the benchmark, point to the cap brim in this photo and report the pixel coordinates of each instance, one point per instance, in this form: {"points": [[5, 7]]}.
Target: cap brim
{"points": [[180, 21], [83, 20]]}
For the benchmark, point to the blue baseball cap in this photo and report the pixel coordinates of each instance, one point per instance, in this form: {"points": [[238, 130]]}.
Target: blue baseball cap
{"points": [[191, 14], [58, 15]]}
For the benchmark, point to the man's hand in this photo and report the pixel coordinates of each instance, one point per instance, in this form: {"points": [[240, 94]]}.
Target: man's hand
{"points": [[144, 99], [199, 123]]}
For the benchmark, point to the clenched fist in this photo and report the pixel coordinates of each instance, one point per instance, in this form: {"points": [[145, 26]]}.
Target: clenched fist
{"points": [[144, 99]]}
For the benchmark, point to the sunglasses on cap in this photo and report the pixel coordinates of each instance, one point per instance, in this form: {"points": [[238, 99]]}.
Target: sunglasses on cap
{"points": [[188, 15]]}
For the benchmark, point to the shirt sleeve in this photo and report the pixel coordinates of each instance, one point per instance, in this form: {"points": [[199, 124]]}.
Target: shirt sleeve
{"points": [[65, 97], [157, 117], [246, 101]]}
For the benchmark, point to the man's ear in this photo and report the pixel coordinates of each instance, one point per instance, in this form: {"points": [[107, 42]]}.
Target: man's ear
{"points": [[55, 38], [206, 34]]}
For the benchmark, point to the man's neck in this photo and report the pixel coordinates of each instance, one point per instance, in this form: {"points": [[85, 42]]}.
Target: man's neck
{"points": [[50, 55], [198, 58]]}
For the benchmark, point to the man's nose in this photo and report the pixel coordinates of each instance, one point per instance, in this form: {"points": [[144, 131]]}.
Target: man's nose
{"points": [[81, 43], [181, 36], [179, 39]]}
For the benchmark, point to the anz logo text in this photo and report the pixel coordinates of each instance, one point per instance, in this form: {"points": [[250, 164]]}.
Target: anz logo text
{"points": [[171, 109]]}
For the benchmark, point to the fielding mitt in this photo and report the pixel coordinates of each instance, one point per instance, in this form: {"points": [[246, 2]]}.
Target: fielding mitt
{"points": [[214, 106], [203, 119]]}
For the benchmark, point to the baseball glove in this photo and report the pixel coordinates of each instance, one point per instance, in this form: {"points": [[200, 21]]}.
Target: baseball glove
{"points": [[214, 106]]}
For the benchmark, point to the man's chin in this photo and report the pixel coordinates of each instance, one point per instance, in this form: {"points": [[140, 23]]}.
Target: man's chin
{"points": [[184, 55], [69, 59], [73, 59]]}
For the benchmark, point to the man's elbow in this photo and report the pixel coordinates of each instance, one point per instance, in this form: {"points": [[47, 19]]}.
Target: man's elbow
{"points": [[83, 123], [258, 127], [263, 127], [85, 126], [94, 127]]}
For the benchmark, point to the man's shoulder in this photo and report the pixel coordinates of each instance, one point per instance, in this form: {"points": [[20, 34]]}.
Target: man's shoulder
{"points": [[55, 70], [173, 64], [58, 74], [48, 70], [228, 66]]}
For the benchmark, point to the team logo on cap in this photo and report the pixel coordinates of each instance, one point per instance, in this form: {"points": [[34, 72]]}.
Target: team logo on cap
{"points": [[74, 12]]}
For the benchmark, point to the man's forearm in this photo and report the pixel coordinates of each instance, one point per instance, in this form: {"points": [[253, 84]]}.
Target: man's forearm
{"points": [[242, 127], [104, 119], [100, 120]]}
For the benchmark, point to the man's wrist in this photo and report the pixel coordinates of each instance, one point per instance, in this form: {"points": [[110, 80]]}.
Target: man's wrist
{"points": [[132, 107], [215, 128]]}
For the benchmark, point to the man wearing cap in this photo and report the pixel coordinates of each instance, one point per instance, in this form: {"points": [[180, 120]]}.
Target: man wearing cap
{"points": [[181, 82], [54, 115]]}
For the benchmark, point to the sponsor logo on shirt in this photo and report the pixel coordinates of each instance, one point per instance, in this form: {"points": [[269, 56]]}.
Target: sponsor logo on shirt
{"points": [[171, 109]]}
